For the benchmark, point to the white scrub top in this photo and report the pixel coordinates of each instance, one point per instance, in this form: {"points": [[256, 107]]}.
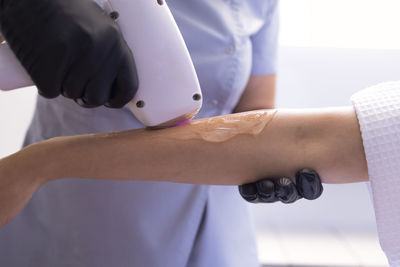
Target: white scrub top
{"points": [[81, 222]]}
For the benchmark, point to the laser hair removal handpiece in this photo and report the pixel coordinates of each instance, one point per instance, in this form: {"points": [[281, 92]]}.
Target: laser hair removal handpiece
{"points": [[169, 90]]}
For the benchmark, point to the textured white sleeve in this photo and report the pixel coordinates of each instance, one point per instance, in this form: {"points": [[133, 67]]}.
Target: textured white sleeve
{"points": [[378, 112]]}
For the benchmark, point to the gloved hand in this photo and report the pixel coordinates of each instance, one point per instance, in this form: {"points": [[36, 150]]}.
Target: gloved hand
{"points": [[308, 185], [71, 47]]}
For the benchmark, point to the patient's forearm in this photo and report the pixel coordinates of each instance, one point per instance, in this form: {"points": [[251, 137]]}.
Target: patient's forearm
{"points": [[231, 149]]}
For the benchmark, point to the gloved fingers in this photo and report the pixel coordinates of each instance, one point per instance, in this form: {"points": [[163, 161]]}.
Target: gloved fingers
{"points": [[270, 191], [76, 37], [48, 82], [262, 191], [123, 89], [126, 83], [98, 90], [309, 184], [87, 64], [266, 191], [73, 88], [55, 61], [50, 63], [286, 191], [249, 192]]}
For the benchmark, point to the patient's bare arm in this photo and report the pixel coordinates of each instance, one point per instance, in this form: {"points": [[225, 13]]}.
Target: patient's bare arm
{"points": [[226, 150], [230, 149]]}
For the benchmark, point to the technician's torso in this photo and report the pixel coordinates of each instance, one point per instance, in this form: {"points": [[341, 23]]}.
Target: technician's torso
{"points": [[108, 223]]}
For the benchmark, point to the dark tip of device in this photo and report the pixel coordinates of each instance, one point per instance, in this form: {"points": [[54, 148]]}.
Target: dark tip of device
{"points": [[160, 2]]}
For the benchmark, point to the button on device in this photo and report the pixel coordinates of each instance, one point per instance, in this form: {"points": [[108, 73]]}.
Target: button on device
{"points": [[140, 104], [114, 15], [196, 97], [230, 50], [214, 102]]}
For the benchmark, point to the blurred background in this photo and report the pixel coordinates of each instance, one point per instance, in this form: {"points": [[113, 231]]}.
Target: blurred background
{"points": [[329, 49]]}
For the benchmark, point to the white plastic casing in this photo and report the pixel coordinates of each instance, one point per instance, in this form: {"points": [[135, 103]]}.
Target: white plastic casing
{"points": [[169, 89], [12, 74]]}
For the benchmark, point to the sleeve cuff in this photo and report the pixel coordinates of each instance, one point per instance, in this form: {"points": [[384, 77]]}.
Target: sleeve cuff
{"points": [[264, 67]]}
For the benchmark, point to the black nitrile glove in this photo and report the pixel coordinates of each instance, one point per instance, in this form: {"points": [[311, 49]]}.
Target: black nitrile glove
{"points": [[71, 47], [308, 185]]}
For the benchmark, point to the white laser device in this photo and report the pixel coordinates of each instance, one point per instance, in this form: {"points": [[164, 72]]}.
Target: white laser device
{"points": [[169, 90]]}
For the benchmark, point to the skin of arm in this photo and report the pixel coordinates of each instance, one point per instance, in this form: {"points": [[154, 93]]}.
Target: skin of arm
{"points": [[226, 150]]}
